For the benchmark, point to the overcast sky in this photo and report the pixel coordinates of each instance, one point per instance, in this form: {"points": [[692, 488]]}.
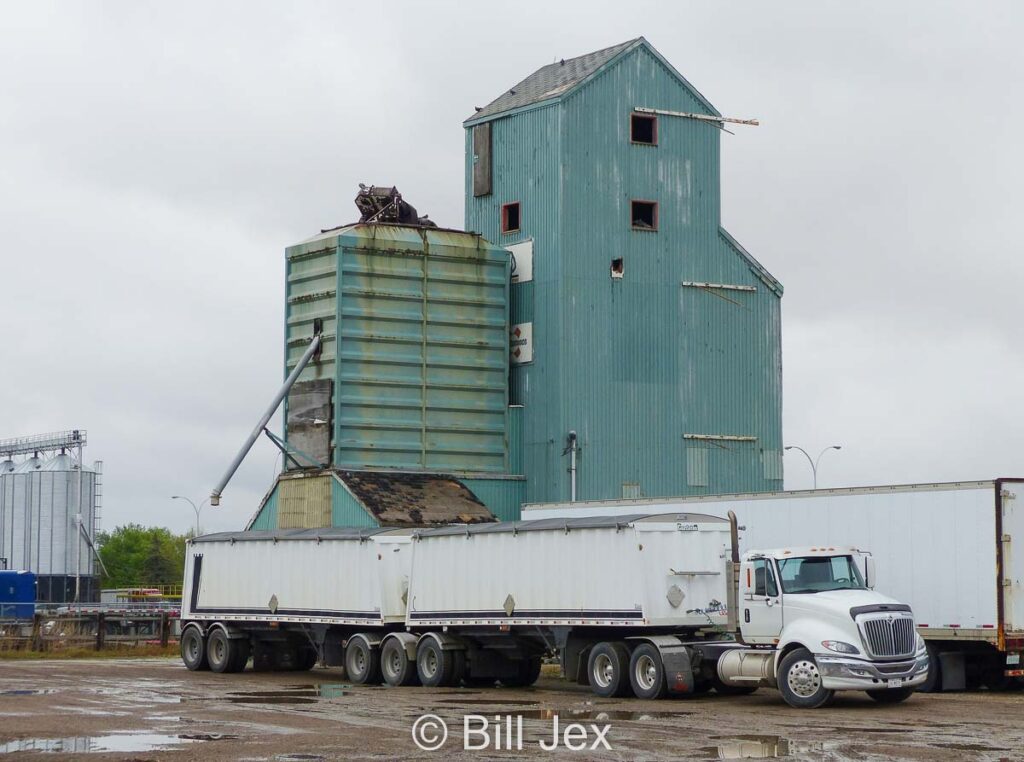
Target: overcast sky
{"points": [[157, 158]]}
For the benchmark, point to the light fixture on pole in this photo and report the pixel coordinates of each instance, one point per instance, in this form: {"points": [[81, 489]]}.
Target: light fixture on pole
{"points": [[194, 508], [815, 461]]}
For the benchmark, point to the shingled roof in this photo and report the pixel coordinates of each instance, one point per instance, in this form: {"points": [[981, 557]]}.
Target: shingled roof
{"points": [[552, 80]]}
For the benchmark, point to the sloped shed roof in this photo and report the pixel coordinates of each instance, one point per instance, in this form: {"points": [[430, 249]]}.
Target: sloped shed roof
{"points": [[412, 499], [553, 81]]}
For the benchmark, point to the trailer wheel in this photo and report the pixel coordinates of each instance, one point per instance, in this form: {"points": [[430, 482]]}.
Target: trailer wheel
{"points": [[220, 652], [800, 681], [608, 669], [891, 695], [362, 662], [436, 666], [395, 664], [527, 672], [193, 650], [647, 672]]}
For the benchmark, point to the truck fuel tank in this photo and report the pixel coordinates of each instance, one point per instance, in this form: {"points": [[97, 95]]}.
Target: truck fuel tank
{"points": [[747, 667]]}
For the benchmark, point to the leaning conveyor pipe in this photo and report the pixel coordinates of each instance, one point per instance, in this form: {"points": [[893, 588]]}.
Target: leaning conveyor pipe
{"points": [[314, 345]]}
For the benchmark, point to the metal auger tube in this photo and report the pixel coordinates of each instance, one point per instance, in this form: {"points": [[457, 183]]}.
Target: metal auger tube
{"points": [[311, 350]]}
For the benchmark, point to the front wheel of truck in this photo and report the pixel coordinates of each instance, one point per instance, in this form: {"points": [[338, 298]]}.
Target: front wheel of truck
{"points": [[800, 681], [891, 695]]}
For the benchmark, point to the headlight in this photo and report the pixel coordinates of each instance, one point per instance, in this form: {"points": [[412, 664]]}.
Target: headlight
{"points": [[840, 647], [920, 643]]}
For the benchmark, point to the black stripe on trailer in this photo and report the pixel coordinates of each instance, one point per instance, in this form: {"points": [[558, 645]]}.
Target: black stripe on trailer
{"points": [[197, 570], [526, 614], [373, 616]]}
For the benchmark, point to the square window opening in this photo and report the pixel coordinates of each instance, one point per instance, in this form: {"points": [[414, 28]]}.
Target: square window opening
{"points": [[510, 218], [644, 215], [643, 129], [618, 268]]}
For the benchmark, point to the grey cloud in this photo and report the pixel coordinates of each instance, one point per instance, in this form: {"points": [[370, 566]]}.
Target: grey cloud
{"points": [[158, 158]]}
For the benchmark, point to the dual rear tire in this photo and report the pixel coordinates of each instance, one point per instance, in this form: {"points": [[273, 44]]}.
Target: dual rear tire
{"points": [[396, 667], [613, 671], [193, 649], [225, 654], [437, 666]]}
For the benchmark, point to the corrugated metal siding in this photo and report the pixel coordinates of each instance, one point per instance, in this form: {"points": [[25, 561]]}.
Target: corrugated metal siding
{"points": [[346, 510], [304, 503], [423, 317], [504, 497], [515, 438], [266, 517], [526, 151], [633, 364]]}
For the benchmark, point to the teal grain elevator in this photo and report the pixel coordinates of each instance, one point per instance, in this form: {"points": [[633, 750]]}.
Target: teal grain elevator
{"points": [[600, 334], [637, 321]]}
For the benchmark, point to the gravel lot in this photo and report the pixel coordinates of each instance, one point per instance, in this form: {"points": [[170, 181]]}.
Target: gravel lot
{"points": [[155, 709]]}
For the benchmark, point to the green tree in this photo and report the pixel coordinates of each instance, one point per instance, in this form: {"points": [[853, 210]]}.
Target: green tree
{"points": [[136, 555]]}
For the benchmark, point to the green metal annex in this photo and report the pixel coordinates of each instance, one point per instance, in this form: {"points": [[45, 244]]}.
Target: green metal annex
{"points": [[640, 323]]}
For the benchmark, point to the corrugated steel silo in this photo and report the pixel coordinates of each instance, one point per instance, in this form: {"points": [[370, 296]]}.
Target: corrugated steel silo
{"points": [[39, 527], [415, 346]]}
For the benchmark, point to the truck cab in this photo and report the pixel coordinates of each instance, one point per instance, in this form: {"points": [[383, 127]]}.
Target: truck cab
{"points": [[815, 626]]}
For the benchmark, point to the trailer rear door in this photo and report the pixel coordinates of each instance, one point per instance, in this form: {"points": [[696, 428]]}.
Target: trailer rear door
{"points": [[1012, 500]]}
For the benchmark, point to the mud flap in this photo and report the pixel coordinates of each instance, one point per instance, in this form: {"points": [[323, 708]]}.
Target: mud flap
{"points": [[678, 668]]}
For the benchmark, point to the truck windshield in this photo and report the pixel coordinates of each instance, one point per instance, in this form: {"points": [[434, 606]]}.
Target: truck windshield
{"points": [[814, 574]]}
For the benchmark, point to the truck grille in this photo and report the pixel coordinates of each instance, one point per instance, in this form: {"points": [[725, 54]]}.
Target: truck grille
{"points": [[889, 636]]}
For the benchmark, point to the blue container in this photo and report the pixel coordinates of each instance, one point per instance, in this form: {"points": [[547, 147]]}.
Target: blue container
{"points": [[17, 594]]}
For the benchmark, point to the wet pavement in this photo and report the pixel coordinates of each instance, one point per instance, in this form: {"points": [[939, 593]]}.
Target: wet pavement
{"points": [[155, 709]]}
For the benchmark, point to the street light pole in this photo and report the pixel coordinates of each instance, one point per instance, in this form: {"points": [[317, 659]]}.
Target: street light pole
{"points": [[194, 508], [815, 461]]}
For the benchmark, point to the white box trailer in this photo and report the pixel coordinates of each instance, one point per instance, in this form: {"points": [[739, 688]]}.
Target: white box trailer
{"points": [[647, 604], [636, 573], [946, 549]]}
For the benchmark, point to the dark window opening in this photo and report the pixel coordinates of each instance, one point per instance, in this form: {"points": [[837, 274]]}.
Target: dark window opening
{"points": [[643, 129], [644, 215], [510, 218], [618, 268]]}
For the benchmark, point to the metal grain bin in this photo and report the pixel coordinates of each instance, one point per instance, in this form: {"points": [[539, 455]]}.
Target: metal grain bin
{"points": [[415, 325]]}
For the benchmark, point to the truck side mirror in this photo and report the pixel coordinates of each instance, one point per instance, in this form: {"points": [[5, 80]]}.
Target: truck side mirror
{"points": [[869, 572]]}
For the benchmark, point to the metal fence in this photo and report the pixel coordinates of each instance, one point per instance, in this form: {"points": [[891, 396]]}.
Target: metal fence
{"points": [[95, 628]]}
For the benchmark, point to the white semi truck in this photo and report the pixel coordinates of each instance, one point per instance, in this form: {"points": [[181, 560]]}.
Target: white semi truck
{"points": [[647, 605], [947, 549]]}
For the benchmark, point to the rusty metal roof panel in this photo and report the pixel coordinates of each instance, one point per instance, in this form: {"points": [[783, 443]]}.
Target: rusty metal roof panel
{"points": [[411, 499]]}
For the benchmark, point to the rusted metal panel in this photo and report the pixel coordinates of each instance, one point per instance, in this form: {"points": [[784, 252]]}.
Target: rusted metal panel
{"points": [[482, 159], [309, 421]]}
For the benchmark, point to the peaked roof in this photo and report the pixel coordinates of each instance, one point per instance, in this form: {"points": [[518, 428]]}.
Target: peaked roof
{"points": [[553, 81]]}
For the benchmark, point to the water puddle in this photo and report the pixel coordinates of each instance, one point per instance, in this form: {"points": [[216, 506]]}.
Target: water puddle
{"points": [[117, 742], [29, 692], [762, 747], [208, 737], [142, 696], [495, 702], [297, 757], [300, 694], [597, 714], [970, 747]]}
